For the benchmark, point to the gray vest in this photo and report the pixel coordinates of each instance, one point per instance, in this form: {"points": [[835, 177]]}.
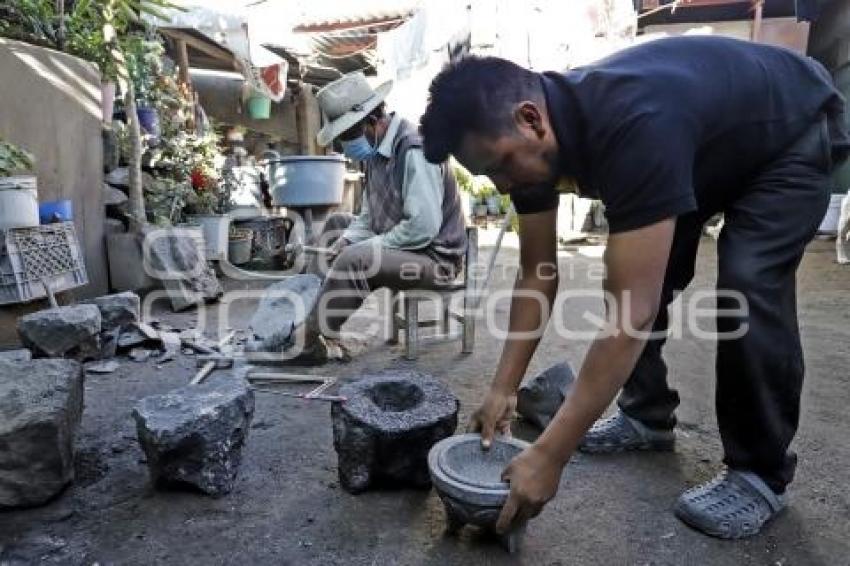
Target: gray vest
{"points": [[384, 182]]}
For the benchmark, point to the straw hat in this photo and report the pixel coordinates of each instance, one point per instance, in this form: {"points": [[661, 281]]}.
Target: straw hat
{"points": [[347, 101]]}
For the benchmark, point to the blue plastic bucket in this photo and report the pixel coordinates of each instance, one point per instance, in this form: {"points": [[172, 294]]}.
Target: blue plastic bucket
{"points": [[148, 120], [55, 211]]}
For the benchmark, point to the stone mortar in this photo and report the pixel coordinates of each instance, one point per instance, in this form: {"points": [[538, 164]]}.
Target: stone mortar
{"points": [[387, 425], [468, 481]]}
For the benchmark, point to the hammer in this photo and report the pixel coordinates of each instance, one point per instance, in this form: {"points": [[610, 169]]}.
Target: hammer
{"points": [[209, 363]]}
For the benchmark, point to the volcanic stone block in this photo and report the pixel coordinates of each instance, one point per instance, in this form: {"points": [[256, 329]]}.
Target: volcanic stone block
{"points": [[20, 355], [284, 307], [178, 259], [540, 397], [71, 331], [193, 436], [385, 428], [41, 403], [118, 310]]}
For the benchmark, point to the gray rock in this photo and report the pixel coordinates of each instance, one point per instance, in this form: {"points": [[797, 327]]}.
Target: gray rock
{"points": [[283, 308], [117, 310], [178, 259], [102, 367], [138, 334], [20, 355], [72, 331], [141, 354], [114, 226], [109, 343], [41, 403], [384, 430], [115, 198], [119, 177], [539, 398], [193, 436]]}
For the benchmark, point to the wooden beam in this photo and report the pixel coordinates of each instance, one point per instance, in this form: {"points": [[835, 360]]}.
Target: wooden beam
{"points": [[209, 48]]}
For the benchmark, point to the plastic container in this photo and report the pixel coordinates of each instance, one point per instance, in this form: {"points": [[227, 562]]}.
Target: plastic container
{"points": [[307, 180], [216, 229], [148, 120], [494, 205], [31, 256], [239, 247], [259, 107], [18, 202], [56, 211], [829, 224]]}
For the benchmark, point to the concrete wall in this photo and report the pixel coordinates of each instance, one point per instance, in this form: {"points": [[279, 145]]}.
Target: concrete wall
{"points": [[50, 104]]}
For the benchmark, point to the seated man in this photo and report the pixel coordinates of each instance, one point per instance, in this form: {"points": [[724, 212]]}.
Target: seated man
{"points": [[410, 233]]}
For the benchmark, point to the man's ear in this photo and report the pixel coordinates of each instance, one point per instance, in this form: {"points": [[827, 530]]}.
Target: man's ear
{"points": [[528, 116]]}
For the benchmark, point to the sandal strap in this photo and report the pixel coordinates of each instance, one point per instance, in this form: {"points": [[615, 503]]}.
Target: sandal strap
{"points": [[755, 483]]}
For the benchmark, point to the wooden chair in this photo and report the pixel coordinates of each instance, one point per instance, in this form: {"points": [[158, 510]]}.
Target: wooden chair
{"points": [[409, 321]]}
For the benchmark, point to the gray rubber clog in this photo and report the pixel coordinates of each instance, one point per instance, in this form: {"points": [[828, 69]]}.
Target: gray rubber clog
{"points": [[620, 433], [733, 505]]}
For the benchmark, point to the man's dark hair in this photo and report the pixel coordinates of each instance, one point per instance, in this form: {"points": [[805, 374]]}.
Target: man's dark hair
{"points": [[475, 94]]}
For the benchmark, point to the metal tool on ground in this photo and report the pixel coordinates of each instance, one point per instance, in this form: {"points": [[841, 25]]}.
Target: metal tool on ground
{"points": [[492, 261], [211, 365], [317, 394], [314, 250]]}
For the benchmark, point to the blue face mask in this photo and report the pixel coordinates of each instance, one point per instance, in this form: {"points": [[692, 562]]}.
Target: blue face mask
{"points": [[358, 149]]}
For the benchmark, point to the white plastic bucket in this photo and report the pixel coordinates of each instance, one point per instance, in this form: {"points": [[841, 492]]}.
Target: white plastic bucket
{"points": [[829, 224], [18, 202], [216, 228]]}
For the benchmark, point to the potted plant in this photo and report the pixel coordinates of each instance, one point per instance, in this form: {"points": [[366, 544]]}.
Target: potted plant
{"points": [[239, 247], [18, 188]]}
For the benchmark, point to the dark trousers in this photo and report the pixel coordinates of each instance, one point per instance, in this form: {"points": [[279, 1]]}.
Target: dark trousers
{"points": [[760, 374]]}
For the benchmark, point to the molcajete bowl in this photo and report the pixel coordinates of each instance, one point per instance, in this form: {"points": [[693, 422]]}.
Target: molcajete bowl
{"points": [[468, 479]]}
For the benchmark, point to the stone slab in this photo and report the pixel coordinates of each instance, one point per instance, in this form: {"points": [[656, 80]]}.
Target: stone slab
{"points": [[41, 404], [193, 436]]}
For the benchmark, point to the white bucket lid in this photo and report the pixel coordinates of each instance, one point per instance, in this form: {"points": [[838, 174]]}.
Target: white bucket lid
{"points": [[19, 182]]}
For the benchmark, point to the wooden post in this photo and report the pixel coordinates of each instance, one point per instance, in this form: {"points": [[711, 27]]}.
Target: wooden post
{"points": [[757, 17], [183, 62], [308, 119]]}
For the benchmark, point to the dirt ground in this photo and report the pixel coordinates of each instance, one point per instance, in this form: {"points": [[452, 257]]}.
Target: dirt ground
{"points": [[287, 507]]}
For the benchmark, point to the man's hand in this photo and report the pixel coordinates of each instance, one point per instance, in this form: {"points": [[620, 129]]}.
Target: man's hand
{"points": [[534, 479], [493, 417]]}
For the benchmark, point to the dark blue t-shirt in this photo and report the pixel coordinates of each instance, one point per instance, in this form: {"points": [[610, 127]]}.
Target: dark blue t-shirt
{"points": [[671, 125]]}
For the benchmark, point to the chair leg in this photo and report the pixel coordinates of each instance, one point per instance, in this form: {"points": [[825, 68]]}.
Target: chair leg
{"points": [[395, 327], [468, 323], [447, 315], [411, 327]]}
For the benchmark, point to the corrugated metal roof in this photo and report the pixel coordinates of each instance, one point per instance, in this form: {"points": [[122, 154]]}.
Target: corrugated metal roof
{"points": [[333, 15], [344, 35]]}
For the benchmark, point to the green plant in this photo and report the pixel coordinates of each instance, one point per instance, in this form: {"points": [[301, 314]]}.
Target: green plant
{"points": [[143, 54], [165, 200], [79, 27], [13, 159]]}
